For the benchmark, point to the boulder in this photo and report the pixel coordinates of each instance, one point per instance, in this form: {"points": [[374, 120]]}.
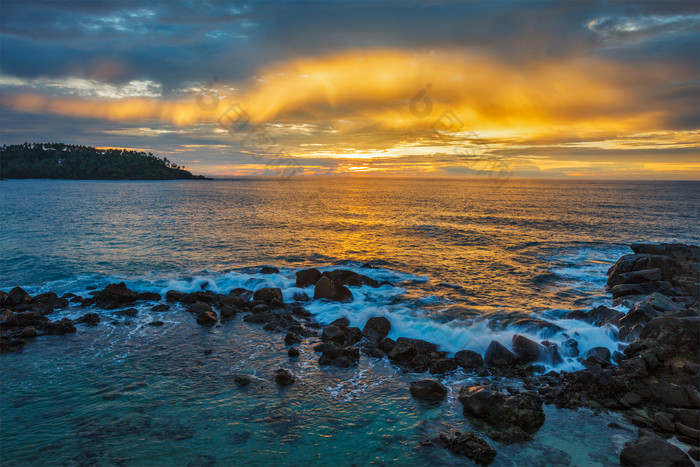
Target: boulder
{"points": [[292, 338], [293, 352], [514, 417], [269, 270], [601, 353], [242, 380], [333, 333], [63, 326], [376, 328], [403, 351], [499, 356], [469, 445], [342, 323], [652, 450], [207, 318], [114, 296], [325, 288], [18, 296], [599, 316], [199, 307], [22, 319], [353, 335], [174, 295], [441, 366], [307, 277], [350, 278], [161, 307], [421, 346], [284, 377], [527, 350], [148, 296], [28, 332], [386, 344], [50, 300], [428, 390], [469, 360], [91, 319], [268, 294], [130, 312]]}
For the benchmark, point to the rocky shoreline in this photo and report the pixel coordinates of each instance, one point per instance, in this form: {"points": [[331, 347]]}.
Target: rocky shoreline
{"points": [[653, 378]]}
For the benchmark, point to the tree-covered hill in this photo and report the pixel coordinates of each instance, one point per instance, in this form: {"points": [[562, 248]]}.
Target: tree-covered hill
{"points": [[69, 161]]}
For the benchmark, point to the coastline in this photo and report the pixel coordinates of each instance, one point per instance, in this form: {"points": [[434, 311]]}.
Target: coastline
{"points": [[658, 329]]}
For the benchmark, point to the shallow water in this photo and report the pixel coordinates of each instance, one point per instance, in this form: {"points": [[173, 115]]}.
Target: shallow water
{"points": [[466, 260]]}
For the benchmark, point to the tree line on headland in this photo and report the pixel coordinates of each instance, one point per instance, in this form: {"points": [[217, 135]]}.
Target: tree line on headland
{"points": [[70, 161]]}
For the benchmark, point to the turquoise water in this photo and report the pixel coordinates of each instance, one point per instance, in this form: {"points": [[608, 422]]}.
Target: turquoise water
{"points": [[466, 260]]}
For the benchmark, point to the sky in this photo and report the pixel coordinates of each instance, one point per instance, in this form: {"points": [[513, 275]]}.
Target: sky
{"points": [[543, 89]]}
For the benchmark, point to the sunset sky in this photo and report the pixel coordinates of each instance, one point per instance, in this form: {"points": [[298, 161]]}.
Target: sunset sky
{"points": [[539, 88]]}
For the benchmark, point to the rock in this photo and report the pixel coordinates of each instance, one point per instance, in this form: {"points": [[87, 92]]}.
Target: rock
{"points": [[300, 297], [261, 308], [174, 295], [293, 352], [376, 328], [662, 303], [148, 296], [403, 352], [350, 278], [276, 304], [50, 300], [203, 460], [631, 399], [91, 319], [161, 307], [441, 366], [688, 417], [114, 296], [387, 344], [601, 353], [428, 390], [470, 445], [499, 356], [268, 294], [227, 311], [130, 312], [469, 360], [156, 323], [342, 323], [307, 277], [651, 450], [333, 333], [570, 348], [516, 417], [664, 422], [28, 332], [325, 288], [329, 348], [284, 377], [199, 308], [353, 335], [12, 320], [64, 326], [292, 338], [18, 296], [207, 318], [687, 434], [694, 452], [421, 346], [269, 270], [242, 380], [599, 316], [527, 350]]}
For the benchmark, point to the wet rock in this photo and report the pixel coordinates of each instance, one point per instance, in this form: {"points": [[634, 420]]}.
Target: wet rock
{"points": [[342, 323], [601, 353], [428, 390], [300, 297], [292, 338], [293, 352], [350, 278], [373, 352], [260, 308], [227, 311], [514, 417], [50, 300], [148, 296], [333, 333], [469, 360], [114, 296], [242, 380], [421, 346], [307, 277], [403, 351], [470, 445], [527, 350], [599, 316], [29, 332], [156, 323], [284, 377], [688, 417], [376, 328], [651, 450], [418, 364], [537, 326], [499, 356], [687, 434], [161, 307], [441, 366], [12, 320], [353, 335], [631, 399], [387, 344], [268, 294], [276, 304], [269, 270], [91, 319], [199, 308], [207, 318], [174, 295], [61, 327], [18, 296], [130, 312], [664, 422], [325, 288]]}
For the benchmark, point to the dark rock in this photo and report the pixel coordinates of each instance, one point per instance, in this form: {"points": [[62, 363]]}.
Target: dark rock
{"points": [[664, 422], [516, 417], [242, 380], [269, 270], [601, 353], [333, 333], [420, 345], [207, 318], [469, 360], [261, 308], [161, 307], [328, 348], [694, 452], [130, 312], [418, 364], [428, 390], [18, 296], [91, 319], [403, 351], [276, 304], [350, 278], [499, 356], [688, 417], [227, 311], [569, 348], [300, 297], [631, 399], [114, 296], [353, 335], [199, 308], [651, 450], [64, 326], [243, 294], [599, 316], [268, 294], [156, 323], [442, 365], [527, 350], [174, 295], [687, 434], [292, 338], [28, 332], [301, 312], [148, 296], [293, 352], [307, 277], [50, 300], [325, 288], [470, 445], [12, 320], [373, 352], [284, 377], [376, 328], [342, 323], [537, 326], [259, 318], [387, 344]]}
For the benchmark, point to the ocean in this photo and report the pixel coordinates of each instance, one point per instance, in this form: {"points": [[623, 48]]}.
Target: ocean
{"points": [[469, 261]]}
